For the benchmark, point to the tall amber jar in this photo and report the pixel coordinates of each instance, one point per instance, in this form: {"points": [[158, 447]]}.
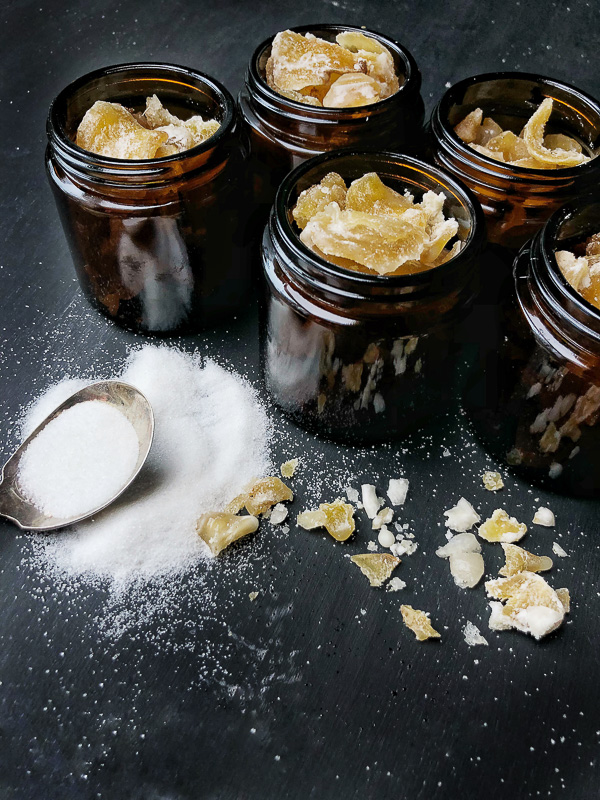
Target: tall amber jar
{"points": [[535, 400], [360, 357], [283, 133], [159, 245], [516, 200]]}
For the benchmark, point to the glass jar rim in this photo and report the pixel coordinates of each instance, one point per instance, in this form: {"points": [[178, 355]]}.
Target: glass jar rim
{"points": [[58, 137], [549, 241], [490, 165], [410, 73], [279, 214]]}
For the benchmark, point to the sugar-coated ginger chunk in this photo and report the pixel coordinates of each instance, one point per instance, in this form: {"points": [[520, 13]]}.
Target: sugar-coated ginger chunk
{"points": [[337, 518], [379, 60], [298, 61], [519, 560], [377, 567], [532, 606], [370, 195], [419, 623], [219, 530], [330, 189], [261, 495], [533, 134], [468, 128], [288, 468], [108, 129], [492, 481], [352, 90], [583, 272], [502, 528]]}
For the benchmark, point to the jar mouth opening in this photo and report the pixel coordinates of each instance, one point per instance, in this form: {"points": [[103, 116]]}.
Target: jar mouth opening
{"points": [[540, 85], [399, 53], [430, 178], [571, 224], [169, 74]]}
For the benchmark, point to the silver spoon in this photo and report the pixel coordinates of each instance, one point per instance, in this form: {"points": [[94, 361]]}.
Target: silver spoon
{"points": [[129, 401]]}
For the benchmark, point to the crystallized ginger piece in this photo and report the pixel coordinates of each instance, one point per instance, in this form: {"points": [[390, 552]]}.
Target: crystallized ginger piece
{"points": [[377, 567], [352, 90], [509, 145], [381, 243], [519, 560], [565, 599], [337, 518], [468, 128], [379, 60], [371, 195], [419, 623], [532, 606], [502, 528], [108, 129], [219, 530], [260, 496], [298, 61], [533, 135], [493, 481], [288, 468], [156, 115], [311, 201]]}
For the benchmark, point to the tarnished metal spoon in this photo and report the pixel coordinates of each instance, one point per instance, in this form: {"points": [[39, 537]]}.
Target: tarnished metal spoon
{"points": [[129, 401]]}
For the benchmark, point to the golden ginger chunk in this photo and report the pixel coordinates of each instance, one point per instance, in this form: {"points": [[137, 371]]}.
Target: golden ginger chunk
{"points": [[298, 61], [583, 272], [351, 90], [519, 560], [468, 128], [330, 189], [261, 495], [419, 623], [379, 60], [492, 481], [533, 134], [288, 468], [108, 129], [565, 599], [377, 567], [371, 195], [337, 518], [532, 606], [219, 530], [502, 528]]}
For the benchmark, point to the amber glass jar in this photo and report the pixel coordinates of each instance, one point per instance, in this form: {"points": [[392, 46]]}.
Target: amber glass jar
{"points": [[361, 357], [535, 400], [516, 200], [284, 133], [158, 245]]}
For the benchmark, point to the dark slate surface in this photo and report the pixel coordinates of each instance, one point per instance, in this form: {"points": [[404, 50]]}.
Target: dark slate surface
{"points": [[299, 694]]}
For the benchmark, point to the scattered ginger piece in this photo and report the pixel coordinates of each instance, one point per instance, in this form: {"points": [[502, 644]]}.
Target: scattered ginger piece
{"points": [[219, 530], [377, 567], [532, 606], [502, 528], [261, 495], [337, 518], [418, 622], [493, 481], [519, 560]]}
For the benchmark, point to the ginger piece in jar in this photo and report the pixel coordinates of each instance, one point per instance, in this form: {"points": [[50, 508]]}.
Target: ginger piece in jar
{"points": [[352, 90], [219, 530], [419, 623], [108, 129], [379, 60], [583, 272], [316, 198], [468, 128], [298, 61], [371, 195], [261, 495], [380, 243], [337, 518], [377, 567], [533, 135]]}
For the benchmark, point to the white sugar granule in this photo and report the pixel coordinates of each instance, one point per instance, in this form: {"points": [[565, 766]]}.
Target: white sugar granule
{"points": [[80, 460], [211, 438]]}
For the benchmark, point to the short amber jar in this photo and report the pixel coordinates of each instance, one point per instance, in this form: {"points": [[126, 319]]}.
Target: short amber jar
{"points": [[284, 133], [516, 200], [535, 399], [159, 245], [360, 357]]}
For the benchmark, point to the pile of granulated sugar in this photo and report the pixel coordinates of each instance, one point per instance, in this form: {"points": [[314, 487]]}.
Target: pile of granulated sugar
{"points": [[211, 438]]}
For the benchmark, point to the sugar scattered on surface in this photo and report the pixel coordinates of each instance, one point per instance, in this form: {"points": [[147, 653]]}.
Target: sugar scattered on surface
{"points": [[211, 438], [79, 461]]}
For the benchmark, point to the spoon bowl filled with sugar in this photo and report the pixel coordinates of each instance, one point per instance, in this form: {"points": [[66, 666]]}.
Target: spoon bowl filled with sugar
{"points": [[79, 459]]}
